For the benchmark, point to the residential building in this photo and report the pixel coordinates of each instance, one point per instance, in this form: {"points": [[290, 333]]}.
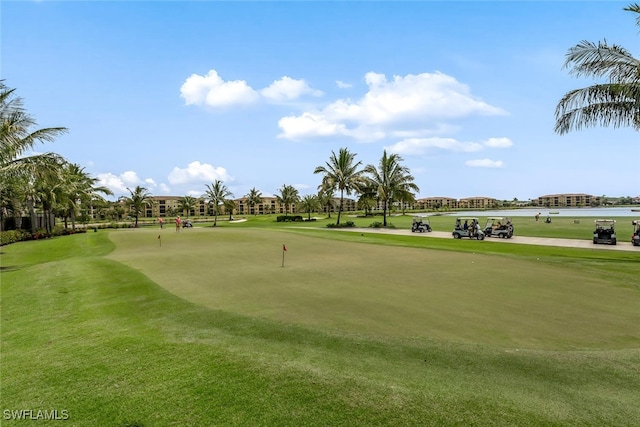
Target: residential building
{"points": [[577, 200]]}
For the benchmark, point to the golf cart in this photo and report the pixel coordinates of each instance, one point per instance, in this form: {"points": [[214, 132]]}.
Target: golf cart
{"points": [[187, 223], [499, 226], [605, 232], [420, 224], [635, 238], [467, 227]]}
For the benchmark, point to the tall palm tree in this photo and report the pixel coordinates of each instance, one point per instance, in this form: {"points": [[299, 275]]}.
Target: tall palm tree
{"points": [[188, 204], [216, 193], [17, 137], [341, 174], [615, 101], [391, 180], [254, 198], [288, 197], [309, 203], [140, 199]]}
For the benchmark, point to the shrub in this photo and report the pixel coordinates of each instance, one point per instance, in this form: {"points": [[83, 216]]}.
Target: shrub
{"points": [[13, 236], [347, 224], [287, 218]]}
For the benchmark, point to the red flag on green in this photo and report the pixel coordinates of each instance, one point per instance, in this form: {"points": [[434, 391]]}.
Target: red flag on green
{"points": [[284, 248]]}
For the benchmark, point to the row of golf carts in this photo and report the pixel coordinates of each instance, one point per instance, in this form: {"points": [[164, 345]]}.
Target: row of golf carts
{"points": [[605, 232], [502, 227], [469, 227]]}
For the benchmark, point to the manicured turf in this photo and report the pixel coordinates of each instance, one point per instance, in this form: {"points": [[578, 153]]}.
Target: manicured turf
{"points": [[209, 329], [372, 290]]}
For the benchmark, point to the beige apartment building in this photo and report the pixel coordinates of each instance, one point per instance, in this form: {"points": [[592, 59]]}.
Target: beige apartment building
{"points": [[169, 206], [436, 203], [577, 200], [477, 203]]}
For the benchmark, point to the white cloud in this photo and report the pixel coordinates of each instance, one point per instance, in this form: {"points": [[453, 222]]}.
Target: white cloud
{"points": [[309, 125], [343, 85], [396, 105], [211, 90], [498, 143], [484, 163], [420, 146], [112, 182], [197, 172], [119, 183], [287, 89]]}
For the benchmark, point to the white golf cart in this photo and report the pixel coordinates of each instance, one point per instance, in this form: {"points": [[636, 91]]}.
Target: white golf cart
{"points": [[420, 224], [499, 226], [468, 227]]}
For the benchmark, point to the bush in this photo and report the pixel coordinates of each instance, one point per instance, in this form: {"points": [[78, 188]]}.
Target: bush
{"points": [[288, 218], [347, 224], [13, 236], [379, 224]]}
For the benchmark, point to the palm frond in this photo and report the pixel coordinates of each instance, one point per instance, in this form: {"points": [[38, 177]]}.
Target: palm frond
{"points": [[607, 105]]}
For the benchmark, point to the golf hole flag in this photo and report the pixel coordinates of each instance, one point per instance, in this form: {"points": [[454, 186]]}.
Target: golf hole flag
{"points": [[284, 249]]}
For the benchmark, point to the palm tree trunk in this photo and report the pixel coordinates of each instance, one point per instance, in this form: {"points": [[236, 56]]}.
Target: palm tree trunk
{"points": [[32, 215], [384, 214], [340, 207]]}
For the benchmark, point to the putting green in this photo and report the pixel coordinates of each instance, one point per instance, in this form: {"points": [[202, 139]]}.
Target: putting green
{"points": [[390, 292]]}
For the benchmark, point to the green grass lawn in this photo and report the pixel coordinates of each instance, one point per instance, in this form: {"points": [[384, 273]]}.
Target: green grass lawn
{"points": [[355, 329], [560, 227]]}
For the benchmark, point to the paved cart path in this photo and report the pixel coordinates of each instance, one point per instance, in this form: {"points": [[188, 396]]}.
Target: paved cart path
{"points": [[543, 241]]}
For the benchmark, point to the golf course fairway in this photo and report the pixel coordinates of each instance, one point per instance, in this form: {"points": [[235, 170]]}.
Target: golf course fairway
{"points": [[220, 326]]}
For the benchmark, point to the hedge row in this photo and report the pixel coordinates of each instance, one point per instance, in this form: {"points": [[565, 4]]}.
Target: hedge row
{"points": [[13, 236]]}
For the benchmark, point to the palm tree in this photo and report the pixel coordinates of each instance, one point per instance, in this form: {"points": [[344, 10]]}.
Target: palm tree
{"points": [[325, 198], [17, 137], [309, 203], [288, 197], [341, 173], [229, 206], [216, 193], [188, 204], [254, 198], [391, 181], [614, 102], [139, 200], [78, 187], [368, 199]]}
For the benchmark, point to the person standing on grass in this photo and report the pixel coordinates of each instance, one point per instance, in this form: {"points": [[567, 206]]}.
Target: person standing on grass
{"points": [[160, 221], [178, 221]]}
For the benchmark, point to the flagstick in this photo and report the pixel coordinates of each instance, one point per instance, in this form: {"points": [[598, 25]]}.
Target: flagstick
{"points": [[160, 240], [283, 251]]}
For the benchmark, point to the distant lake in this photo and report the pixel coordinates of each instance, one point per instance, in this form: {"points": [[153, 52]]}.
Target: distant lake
{"points": [[564, 212]]}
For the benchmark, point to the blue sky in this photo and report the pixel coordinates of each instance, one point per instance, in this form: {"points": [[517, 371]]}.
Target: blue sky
{"points": [[173, 95]]}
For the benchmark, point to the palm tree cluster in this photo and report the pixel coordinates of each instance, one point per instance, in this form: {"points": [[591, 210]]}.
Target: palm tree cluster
{"points": [[384, 184], [40, 183]]}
